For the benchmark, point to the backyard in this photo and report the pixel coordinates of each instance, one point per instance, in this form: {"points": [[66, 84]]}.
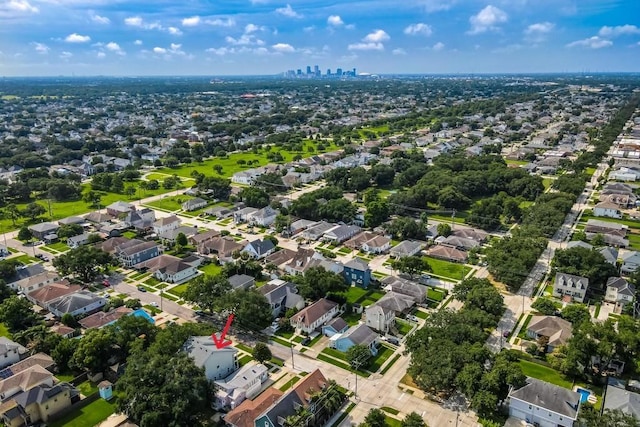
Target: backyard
{"points": [[90, 415], [446, 269]]}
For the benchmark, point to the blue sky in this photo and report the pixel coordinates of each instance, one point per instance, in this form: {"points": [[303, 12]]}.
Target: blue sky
{"points": [[235, 37]]}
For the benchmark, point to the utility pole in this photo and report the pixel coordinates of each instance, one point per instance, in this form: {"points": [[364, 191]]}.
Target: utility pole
{"points": [[293, 366]]}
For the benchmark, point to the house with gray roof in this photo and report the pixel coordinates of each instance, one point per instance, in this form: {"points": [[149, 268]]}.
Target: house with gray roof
{"points": [[405, 287], [281, 295], [619, 292], [218, 363], [570, 285], [241, 281], [245, 383], [81, 302], [193, 204], [337, 325], [259, 249], [39, 403], [10, 352], [399, 303], [541, 403], [120, 208], [263, 217], [356, 335], [357, 273], [610, 254], [379, 317], [406, 248], [43, 229], [556, 330], [77, 241], [316, 231], [340, 233], [619, 397], [314, 316]]}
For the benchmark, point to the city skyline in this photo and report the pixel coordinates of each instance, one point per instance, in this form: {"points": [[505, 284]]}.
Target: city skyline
{"points": [[261, 37]]}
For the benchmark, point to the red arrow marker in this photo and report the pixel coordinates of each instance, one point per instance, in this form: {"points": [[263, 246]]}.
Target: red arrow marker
{"points": [[220, 342]]}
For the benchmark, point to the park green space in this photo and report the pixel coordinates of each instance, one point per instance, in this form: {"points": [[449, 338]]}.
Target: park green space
{"points": [[170, 203], [230, 163], [90, 415]]}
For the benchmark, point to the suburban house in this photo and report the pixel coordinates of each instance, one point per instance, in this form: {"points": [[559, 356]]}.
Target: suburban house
{"points": [[163, 225], [316, 231], [619, 292], [136, 251], [24, 381], [120, 209], [302, 260], [170, 236], [337, 325], [610, 255], [312, 317], [101, 319], [241, 281], [263, 217], [377, 245], [32, 283], [41, 359], [281, 295], [194, 204], [81, 302], [260, 248], [630, 262], [471, 233], [222, 246], [399, 303], [406, 248], [597, 226], [43, 230], [356, 335], [77, 241], [340, 233], [178, 271], [357, 273], [297, 398], [461, 243], [379, 318], [573, 286], [243, 215], [245, 383], [447, 253], [544, 404], [37, 404], [405, 287], [53, 291], [10, 352], [198, 239], [622, 397], [218, 363], [557, 330], [607, 209], [248, 411]]}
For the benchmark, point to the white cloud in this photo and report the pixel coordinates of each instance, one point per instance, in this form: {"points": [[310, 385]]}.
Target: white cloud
{"points": [[66, 55], [219, 22], [159, 50], [377, 36], [620, 30], [539, 28], [101, 55], [252, 28], [175, 47], [309, 28], [288, 11], [399, 51], [103, 20], [77, 38], [594, 42], [14, 8], [175, 31], [366, 46], [436, 5], [221, 51], [40, 48], [191, 22], [335, 21], [245, 39], [419, 28], [133, 21], [114, 47], [138, 42], [283, 48], [438, 47], [487, 20]]}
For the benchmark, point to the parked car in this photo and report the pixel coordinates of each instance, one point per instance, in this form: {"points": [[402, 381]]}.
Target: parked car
{"points": [[393, 340], [305, 341], [412, 318], [142, 289]]}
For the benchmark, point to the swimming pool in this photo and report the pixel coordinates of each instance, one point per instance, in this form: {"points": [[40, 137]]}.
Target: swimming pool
{"points": [[584, 394]]}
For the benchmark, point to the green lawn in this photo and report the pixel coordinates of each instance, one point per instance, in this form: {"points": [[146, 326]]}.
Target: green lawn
{"points": [[4, 331], [392, 422], [230, 163], [450, 270], [517, 162], [170, 203], [179, 290], [87, 388], [289, 383], [90, 415], [25, 259], [435, 294], [58, 246], [544, 373], [547, 182], [354, 294], [403, 327], [390, 364], [383, 354], [211, 269], [523, 331], [281, 341], [245, 359], [421, 314]]}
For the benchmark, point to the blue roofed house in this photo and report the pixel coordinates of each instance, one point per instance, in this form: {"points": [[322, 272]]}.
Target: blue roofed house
{"points": [[218, 363], [357, 273], [356, 335], [335, 326]]}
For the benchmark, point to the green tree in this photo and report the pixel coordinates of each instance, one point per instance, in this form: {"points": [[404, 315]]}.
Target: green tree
{"points": [[181, 240], [317, 283], [205, 291], [94, 351], [261, 352], [63, 352], [545, 306], [93, 198], [375, 418], [586, 263], [160, 390], [251, 308], [377, 212], [254, 197], [358, 356], [85, 262], [17, 313], [69, 230], [444, 229], [413, 420], [33, 210], [69, 320], [411, 265], [25, 234], [576, 314]]}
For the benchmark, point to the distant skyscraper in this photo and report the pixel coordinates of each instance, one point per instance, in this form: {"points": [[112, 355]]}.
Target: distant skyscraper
{"points": [[316, 70], [354, 72], [299, 72], [308, 69], [328, 71], [339, 72]]}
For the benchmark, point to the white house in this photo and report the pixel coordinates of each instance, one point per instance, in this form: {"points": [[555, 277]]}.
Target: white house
{"points": [[630, 262], [245, 177], [544, 404], [218, 363], [81, 302], [379, 318], [176, 272], [607, 209], [406, 248], [10, 352], [245, 383], [377, 245], [312, 317], [568, 284], [263, 217], [167, 224], [260, 248], [619, 291], [193, 204], [77, 241]]}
